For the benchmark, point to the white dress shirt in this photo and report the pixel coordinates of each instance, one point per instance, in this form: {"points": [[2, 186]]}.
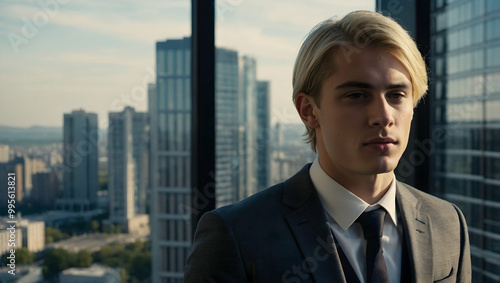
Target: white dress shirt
{"points": [[342, 208]]}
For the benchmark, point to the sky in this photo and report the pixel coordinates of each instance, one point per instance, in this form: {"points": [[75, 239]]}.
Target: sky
{"points": [[57, 56]]}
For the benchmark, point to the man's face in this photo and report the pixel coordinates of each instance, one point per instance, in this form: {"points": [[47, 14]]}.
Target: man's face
{"points": [[364, 114]]}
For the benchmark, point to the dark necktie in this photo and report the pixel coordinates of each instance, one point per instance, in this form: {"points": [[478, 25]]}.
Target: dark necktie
{"points": [[372, 223]]}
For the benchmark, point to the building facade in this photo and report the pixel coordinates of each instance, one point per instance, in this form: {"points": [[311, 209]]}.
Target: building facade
{"points": [[463, 142], [80, 138], [264, 136], [95, 273], [128, 137], [248, 127], [46, 188], [170, 108], [4, 153], [465, 118], [227, 159], [33, 234]]}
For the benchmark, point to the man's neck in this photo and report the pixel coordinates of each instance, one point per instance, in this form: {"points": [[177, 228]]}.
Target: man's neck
{"points": [[370, 188]]}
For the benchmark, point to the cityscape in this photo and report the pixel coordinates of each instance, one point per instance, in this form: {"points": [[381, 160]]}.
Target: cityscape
{"points": [[106, 196]]}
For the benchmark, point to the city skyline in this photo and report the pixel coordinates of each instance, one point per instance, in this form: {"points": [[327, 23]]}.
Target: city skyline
{"points": [[81, 56]]}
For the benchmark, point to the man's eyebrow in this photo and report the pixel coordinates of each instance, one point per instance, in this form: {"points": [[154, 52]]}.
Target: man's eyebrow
{"points": [[358, 84]]}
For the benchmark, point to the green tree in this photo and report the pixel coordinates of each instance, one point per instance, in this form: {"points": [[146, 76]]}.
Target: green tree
{"points": [[55, 261], [141, 266], [94, 225], [23, 257], [54, 235], [136, 246], [83, 259], [124, 275]]}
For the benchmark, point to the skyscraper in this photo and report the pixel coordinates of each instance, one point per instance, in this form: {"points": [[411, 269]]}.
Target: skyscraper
{"points": [[128, 165], [248, 127], [170, 108], [464, 115], [79, 162], [264, 135], [227, 160], [45, 188]]}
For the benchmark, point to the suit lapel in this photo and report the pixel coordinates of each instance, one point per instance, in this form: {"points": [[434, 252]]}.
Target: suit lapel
{"points": [[417, 233], [310, 228]]}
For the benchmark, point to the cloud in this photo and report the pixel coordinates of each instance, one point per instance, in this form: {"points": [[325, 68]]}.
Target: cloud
{"points": [[97, 59], [90, 52]]}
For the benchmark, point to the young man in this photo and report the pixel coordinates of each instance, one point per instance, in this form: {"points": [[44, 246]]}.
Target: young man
{"points": [[343, 218]]}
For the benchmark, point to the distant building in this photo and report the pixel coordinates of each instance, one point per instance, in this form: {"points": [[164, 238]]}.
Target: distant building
{"points": [[5, 237], [33, 234], [46, 187], [264, 135], [127, 165], [58, 218], [248, 127], [13, 168], [32, 165], [24, 274], [79, 162], [290, 153], [94, 274], [4, 153], [226, 126], [170, 108]]}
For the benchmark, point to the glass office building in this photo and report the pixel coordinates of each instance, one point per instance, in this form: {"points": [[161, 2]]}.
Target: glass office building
{"points": [[461, 40], [465, 121], [170, 108], [462, 139]]}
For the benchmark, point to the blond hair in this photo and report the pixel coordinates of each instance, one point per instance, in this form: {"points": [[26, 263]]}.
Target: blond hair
{"points": [[349, 35]]}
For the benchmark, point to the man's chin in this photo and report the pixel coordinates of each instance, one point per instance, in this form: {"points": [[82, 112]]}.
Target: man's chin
{"points": [[382, 167]]}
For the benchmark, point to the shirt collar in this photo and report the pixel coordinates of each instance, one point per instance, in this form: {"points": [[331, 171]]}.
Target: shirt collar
{"points": [[342, 205]]}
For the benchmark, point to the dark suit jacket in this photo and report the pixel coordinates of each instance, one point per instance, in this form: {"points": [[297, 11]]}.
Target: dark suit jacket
{"points": [[281, 235]]}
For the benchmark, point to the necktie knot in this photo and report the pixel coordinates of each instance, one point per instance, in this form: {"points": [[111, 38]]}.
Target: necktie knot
{"points": [[372, 223]]}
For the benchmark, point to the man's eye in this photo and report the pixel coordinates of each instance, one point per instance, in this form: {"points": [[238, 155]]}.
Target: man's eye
{"points": [[397, 95], [356, 95]]}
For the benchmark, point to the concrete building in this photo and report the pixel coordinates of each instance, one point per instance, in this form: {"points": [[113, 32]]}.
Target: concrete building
{"points": [[32, 165], [127, 165], [94, 274], [24, 274], [5, 236], [13, 168], [33, 234], [4, 153], [79, 162], [46, 187]]}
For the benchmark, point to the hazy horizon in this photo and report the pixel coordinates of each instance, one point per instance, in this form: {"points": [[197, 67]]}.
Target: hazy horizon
{"points": [[63, 55]]}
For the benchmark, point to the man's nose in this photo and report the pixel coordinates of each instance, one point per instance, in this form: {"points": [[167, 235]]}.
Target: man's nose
{"points": [[380, 113]]}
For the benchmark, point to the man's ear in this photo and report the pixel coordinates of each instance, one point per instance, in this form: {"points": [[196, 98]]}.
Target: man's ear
{"points": [[307, 110]]}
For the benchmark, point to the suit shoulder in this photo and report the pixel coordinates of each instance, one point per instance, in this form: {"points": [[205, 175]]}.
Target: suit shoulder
{"points": [[431, 203], [263, 202]]}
